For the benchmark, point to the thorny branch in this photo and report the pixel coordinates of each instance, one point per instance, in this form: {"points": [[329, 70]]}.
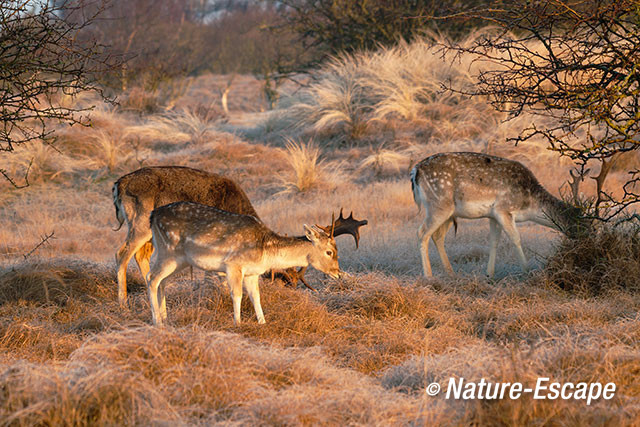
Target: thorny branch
{"points": [[44, 57]]}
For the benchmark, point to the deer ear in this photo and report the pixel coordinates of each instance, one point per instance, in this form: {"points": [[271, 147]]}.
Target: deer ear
{"points": [[310, 233]]}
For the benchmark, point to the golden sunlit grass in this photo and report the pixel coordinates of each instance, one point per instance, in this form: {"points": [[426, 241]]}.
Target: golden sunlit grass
{"points": [[359, 351], [308, 171]]}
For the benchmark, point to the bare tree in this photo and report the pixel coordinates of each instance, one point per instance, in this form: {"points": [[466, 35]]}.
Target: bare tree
{"points": [[43, 56], [574, 63]]}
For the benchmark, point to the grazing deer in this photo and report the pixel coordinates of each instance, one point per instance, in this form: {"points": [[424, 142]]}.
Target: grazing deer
{"points": [[136, 194], [340, 226], [474, 185], [191, 234]]}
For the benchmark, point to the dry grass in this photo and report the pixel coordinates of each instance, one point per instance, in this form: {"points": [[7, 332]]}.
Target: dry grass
{"points": [[399, 86], [361, 350], [308, 170], [606, 259]]}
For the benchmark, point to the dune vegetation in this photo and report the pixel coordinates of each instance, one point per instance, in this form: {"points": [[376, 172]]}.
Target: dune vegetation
{"points": [[362, 349]]}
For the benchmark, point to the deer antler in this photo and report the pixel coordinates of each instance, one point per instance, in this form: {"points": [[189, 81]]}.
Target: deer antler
{"points": [[345, 226]]}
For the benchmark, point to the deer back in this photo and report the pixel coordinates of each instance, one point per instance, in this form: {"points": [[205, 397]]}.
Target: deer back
{"points": [[143, 190], [207, 226], [475, 175]]}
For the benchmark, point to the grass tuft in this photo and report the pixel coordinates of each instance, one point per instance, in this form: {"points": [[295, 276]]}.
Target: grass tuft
{"points": [[309, 171]]}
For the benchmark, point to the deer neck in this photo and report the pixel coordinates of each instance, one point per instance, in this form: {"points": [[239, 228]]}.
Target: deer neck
{"points": [[282, 252]]}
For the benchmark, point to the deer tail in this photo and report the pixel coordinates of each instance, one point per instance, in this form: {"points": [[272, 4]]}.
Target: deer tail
{"points": [[117, 203]]}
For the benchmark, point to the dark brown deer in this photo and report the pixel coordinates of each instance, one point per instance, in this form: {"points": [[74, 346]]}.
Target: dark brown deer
{"points": [[138, 193]]}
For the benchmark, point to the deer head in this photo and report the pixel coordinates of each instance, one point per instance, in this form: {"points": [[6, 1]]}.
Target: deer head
{"points": [[345, 226], [324, 256]]}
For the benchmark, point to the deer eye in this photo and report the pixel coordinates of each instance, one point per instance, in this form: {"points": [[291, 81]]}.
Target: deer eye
{"points": [[329, 253]]}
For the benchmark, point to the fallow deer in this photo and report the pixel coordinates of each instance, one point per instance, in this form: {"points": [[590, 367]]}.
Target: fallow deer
{"points": [[136, 194], [474, 185], [191, 234]]}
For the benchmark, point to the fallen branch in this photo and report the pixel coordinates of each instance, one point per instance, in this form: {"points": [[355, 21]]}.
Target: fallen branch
{"points": [[43, 240]]}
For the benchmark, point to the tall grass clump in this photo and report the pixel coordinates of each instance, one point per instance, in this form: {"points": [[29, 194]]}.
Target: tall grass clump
{"points": [[383, 162], [39, 162], [340, 100], [602, 260], [309, 172], [109, 149], [193, 124], [358, 92]]}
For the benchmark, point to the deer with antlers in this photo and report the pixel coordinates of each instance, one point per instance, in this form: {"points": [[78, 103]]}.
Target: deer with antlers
{"points": [[474, 185], [136, 194], [241, 246], [340, 226]]}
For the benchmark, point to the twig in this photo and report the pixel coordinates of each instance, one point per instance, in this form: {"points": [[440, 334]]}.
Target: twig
{"points": [[12, 182], [43, 240], [630, 218]]}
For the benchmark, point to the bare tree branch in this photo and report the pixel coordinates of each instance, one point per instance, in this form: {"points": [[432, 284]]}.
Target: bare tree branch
{"points": [[43, 57], [574, 64]]}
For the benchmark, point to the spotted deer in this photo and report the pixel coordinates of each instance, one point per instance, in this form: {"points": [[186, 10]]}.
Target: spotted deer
{"points": [[473, 185], [136, 194], [241, 246]]}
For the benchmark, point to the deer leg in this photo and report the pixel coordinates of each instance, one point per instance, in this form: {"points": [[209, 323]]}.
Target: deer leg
{"points": [[494, 235], [508, 223], [142, 257], [428, 227], [161, 269], [438, 238], [135, 240], [301, 277], [251, 284], [234, 280], [162, 301]]}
